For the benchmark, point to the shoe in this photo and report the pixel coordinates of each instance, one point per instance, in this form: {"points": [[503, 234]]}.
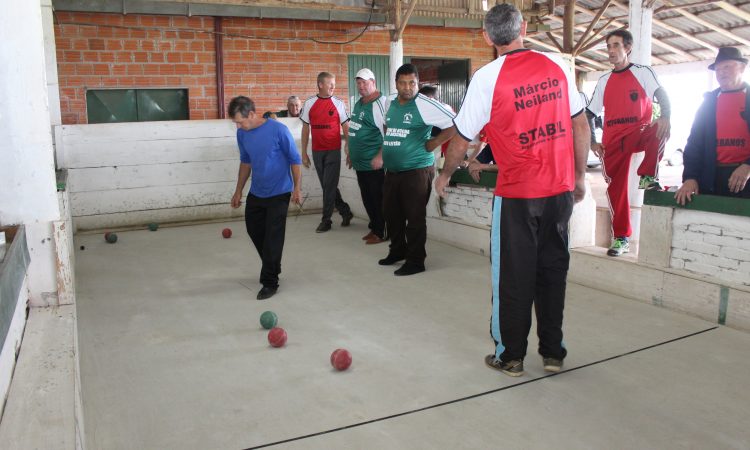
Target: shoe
{"points": [[368, 236], [266, 292], [375, 239], [347, 220], [390, 260], [409, 269], [552, 365], [619, 246], [512, 368], [649, 183], [323, 227]]}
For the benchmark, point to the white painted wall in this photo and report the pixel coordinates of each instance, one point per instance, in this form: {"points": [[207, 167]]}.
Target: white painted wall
{"points": [[27, 172], [130, 174], [712, 244]]}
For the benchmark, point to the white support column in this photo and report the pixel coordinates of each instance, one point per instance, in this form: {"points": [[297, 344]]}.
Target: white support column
{"points": [[28, 193], [640, 20], [396, 60]]}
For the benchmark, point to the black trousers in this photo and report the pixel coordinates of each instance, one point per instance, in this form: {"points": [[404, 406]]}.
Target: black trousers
{"points": [[721, 185], [533, 260], [328, 166], [405, 197], [265, 219], [371, 188]]}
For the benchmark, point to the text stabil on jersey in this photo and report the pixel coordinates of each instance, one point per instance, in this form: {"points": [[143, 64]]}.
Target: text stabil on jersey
{"points": [[550, 129]]}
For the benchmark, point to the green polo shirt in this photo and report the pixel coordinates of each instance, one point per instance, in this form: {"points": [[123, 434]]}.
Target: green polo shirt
{"points": [[408, 128], [366, 132]]}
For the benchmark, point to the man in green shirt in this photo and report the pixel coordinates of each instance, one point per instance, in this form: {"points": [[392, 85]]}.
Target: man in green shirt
{"points": [[409, 162], [366, 129]]}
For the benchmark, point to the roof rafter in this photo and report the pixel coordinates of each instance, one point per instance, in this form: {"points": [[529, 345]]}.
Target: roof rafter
{"points": [[708, 24]]}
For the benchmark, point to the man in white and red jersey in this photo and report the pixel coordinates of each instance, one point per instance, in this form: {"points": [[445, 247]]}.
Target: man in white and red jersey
{"points": [[534, 118], [717, 154], [325, 115], [625, 95]]}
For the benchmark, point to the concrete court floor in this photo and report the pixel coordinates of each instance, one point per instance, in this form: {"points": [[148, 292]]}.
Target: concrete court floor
{"points": [[173, 357]]}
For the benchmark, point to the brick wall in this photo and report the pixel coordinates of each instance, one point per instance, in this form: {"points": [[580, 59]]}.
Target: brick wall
{"points": [[267, 59], [100, 51], [712, 244], [469, 204]]}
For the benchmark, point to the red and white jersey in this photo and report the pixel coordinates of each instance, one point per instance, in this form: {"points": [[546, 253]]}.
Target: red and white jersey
{"points": [[625, 96], [526, 100], [732, 135], [325, 117]]}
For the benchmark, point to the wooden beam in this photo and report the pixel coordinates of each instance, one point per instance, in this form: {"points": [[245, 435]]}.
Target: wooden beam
{"points": [[741, 13], [569, 23], [596, 33], [598, 65], [592, 24], [673, 29], [709, 25], [623, 25], [541, 44], [663, 8], [553, 38], [593, 62], [405, 19]]}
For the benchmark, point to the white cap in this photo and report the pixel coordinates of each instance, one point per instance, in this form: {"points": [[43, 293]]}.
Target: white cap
{"points": [[366, 74]]}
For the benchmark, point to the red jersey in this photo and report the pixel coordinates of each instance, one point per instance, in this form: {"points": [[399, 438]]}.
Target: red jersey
{"points": [[732, 135], [526, 99], [625, 95], [325, 117]]}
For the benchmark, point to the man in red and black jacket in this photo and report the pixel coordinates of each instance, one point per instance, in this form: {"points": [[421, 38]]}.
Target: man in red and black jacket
{"points": [[717, 154]]}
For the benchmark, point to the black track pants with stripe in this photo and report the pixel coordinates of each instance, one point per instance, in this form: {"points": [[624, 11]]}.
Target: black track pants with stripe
{"points": [[533, 269]]}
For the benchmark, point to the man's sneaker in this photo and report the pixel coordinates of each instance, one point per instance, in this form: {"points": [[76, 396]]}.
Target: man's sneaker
{"points": [[323, 227], [649, 183], [347, 219], [619, 246], [513, 368], [552, 364]]}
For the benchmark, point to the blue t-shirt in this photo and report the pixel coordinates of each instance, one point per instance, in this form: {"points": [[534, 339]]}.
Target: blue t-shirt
{"points": [[270, 150]]}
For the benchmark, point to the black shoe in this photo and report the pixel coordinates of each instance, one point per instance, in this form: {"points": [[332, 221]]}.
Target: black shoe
{"points": [[409, 269], [390, 260], [323, 227], [553, 365], [347, 220], [266, 292], [512, 368]]}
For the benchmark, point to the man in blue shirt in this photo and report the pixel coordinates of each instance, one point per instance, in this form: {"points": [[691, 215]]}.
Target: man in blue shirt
{"points": [[267, 150]]}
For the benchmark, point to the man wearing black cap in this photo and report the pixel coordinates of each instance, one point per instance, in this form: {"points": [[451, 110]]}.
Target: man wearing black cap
{"points": [[717, 154]]}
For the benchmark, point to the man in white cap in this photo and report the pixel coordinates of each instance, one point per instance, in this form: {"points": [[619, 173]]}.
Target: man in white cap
{"points": [[717, 154], [366, 130]]}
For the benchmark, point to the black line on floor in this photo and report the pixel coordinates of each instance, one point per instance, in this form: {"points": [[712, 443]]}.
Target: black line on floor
{"points": [[481, 394]]}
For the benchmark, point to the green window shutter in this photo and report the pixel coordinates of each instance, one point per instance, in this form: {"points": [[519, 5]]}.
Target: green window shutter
{"points": [[111, 105], [378, 64], [136, 105], [162, 104]]}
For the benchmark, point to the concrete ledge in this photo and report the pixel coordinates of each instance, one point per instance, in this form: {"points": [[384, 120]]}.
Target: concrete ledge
{"points": [[697, 295], [40, 411]]}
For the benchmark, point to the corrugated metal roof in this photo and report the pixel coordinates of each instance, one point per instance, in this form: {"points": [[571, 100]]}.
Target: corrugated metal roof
{"points": [[677, 37]]}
